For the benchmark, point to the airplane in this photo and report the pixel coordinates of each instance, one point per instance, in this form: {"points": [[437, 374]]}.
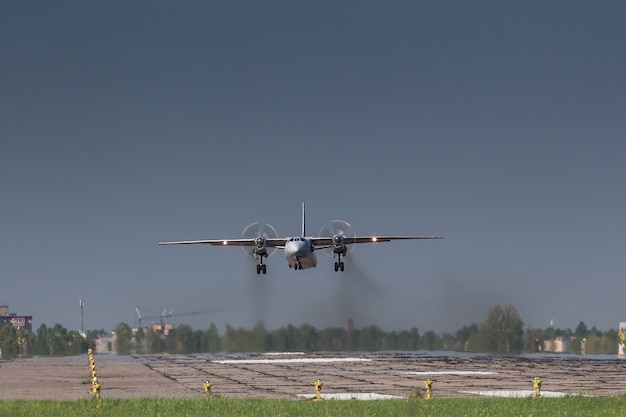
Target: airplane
{"points": [[300, 250]]}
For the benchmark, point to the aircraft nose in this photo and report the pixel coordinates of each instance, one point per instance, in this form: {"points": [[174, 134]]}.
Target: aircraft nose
{"points": [[297, 248], [301, 248]]}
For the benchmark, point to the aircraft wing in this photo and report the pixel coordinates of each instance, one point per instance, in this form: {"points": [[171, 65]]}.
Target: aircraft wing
{"points": [[322, 242], [271, 243]]}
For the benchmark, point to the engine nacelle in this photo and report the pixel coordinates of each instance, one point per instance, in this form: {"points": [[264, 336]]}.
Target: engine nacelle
{"points": [[260, 246], [338, 245]]}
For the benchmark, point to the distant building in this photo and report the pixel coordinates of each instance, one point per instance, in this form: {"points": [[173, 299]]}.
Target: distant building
{"points": [[105, 343], [11, 319], [557, 345], [164, 328]]}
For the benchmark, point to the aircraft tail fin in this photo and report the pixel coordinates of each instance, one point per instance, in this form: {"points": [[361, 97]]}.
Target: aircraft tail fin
{"points": [[303, 223]]}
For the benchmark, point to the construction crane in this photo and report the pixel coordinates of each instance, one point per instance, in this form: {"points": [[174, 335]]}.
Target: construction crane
{"points": [[166, 313]]}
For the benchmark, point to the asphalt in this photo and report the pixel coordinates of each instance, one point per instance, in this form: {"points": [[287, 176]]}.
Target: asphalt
{"points": [[292, 376]]}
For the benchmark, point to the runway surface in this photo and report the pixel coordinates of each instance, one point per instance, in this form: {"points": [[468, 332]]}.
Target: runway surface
{"points": [[292, 376]]}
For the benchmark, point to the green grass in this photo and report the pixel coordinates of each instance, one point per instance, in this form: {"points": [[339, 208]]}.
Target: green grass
{"points": [[220, 407]]}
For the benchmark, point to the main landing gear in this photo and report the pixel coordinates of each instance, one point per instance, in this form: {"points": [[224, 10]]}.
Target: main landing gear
{"points": [[339, 264], [261, 267]]}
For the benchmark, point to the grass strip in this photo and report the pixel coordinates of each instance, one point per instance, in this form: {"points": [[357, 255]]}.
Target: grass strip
{"points": [[220, 407]]}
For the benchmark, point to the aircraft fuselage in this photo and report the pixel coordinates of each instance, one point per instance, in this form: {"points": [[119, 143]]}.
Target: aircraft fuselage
{"points": [[300, 253]]}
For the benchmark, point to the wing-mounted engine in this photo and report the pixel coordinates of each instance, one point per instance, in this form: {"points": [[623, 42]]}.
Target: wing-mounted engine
{"points": [[260, 233], [260, 246], [339, 246], [339, 232]]}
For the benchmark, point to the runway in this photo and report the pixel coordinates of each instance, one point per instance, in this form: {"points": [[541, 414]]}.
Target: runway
{"points": [[292, 376]]}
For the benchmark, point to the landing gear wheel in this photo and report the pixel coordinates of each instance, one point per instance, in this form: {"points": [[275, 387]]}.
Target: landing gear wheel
{"points": [[264, 269], [258, 269], [339, 266]]}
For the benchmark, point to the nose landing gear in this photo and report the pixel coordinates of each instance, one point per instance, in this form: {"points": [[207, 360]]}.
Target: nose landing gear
{"points": [[297, 266]]}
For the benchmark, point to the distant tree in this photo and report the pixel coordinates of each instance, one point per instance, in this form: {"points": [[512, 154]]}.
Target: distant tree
{"points": [[593, 344], [8, 342], [139, 340], [260, 338], [227, 341], [581, 330], [171, 341], [332, 339], [306, 338], [123, 337], [408, 339], [94, 334], [564, 333], [25, 341], [610, 339], [197, 341], [390, 340], [41, 344], [57, 340], [465, 337], [448, 342], [76, 344], [428, 341], [370, 339], [183, 334], [280, 340], [235, 340], [595, 332], [352, 338], [212, 339], [503, 329], [532, 338], [415, 338], [154, 342]]}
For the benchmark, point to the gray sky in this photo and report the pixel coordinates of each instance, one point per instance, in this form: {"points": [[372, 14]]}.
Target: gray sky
{"points": [[499, 125]]}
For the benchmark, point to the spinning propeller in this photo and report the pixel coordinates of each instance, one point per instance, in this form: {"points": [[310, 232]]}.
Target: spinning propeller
{"points": [[340, 233], [260, 233]]}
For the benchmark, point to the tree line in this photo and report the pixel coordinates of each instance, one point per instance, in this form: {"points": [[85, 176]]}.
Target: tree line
{"points": [[501, 332], [47, 341]]}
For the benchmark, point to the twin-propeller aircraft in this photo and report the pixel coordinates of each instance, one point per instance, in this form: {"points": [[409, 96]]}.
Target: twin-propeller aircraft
{"points": [[300, 250]]}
